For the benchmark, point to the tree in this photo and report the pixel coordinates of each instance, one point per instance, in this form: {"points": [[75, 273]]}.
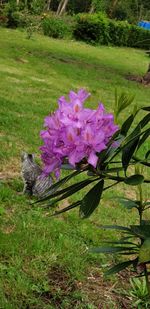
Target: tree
{"points": [[62, 7], [48, 4], [98, 5]]}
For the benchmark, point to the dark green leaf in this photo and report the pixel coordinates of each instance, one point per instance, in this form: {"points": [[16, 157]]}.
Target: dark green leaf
{"points": [[119, 267], [111, 249], [146, 108], [126, 238], [91, 200], [57, 185], [129, 150], [145, 162], [120, 242], [105, 154], [127, 202], [134, 180], [76, 204], [144, 121], [123, 101], [117, 227], [129, 253], [71, 188], [143, 138], [67, 167], [126, 125], [142, 231], [147, 154], [127, 141], [70, 191]]}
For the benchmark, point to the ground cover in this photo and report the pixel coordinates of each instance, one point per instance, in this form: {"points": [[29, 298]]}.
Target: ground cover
{"points": [[44, 261]]}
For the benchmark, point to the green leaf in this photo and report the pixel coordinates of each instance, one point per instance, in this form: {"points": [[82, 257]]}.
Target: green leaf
{"points": [[143, 138], [144, 121], [142, 231], [135, 251], [105, 154], [146, 108], [127, 202], [91, 200], [70, 191], [74, 205], [126, 125], [117, 227], [57, 185], [111, 249], [67, 167], [130, 148], [134, 180], [127, 141], [120, 242], [71, 188], [119, 267], [147, 154], [122, 102]]}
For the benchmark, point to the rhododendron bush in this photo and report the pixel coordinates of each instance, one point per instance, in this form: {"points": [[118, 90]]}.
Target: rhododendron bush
{"points": [[89, 142], [75, 132]]}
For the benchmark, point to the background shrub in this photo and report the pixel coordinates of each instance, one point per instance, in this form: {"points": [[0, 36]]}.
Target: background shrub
{"points": [[98, 29], [11, 13], [56, 27], [139, 37], [93, 28], [118, 32]]}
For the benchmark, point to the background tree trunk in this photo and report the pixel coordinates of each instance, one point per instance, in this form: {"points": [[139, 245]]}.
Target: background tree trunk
{"points": [[63, 8], [48, 4], [92, 8], [112, 8], [59, 7]]}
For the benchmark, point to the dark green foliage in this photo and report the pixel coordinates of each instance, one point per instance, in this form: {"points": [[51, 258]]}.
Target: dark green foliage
{"points": [[91, 200], [119, 267], [56, 27], [13, 17], [92, 28], [98, 29], [134, 180], [11, 13]]}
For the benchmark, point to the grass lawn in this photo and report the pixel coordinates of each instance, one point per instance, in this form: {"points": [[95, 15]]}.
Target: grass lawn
{"points": [[44, 262]]}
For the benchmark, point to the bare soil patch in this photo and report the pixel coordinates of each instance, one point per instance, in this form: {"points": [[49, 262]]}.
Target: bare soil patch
{"points": [[98, 291], [145, 80]]}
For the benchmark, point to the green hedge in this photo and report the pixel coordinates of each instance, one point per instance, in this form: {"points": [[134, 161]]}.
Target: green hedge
{"points": [[98, 29], [56, 27]]}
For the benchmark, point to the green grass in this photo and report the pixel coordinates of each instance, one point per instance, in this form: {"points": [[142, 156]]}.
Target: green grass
{"points": [[44, 263]]}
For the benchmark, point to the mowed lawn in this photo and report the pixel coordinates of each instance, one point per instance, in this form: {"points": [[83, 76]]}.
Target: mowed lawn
{"points": [[44, 261]]}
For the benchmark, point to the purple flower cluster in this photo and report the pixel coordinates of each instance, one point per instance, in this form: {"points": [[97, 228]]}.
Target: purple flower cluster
{"points": [[75, 133]]}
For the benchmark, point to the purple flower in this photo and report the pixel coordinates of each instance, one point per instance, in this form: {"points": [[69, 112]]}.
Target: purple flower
{"points": [[75, 133]]}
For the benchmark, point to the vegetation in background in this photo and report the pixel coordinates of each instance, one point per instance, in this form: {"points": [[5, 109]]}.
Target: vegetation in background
{"points": [[98, 29], [131, 10], [100, 21]]}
